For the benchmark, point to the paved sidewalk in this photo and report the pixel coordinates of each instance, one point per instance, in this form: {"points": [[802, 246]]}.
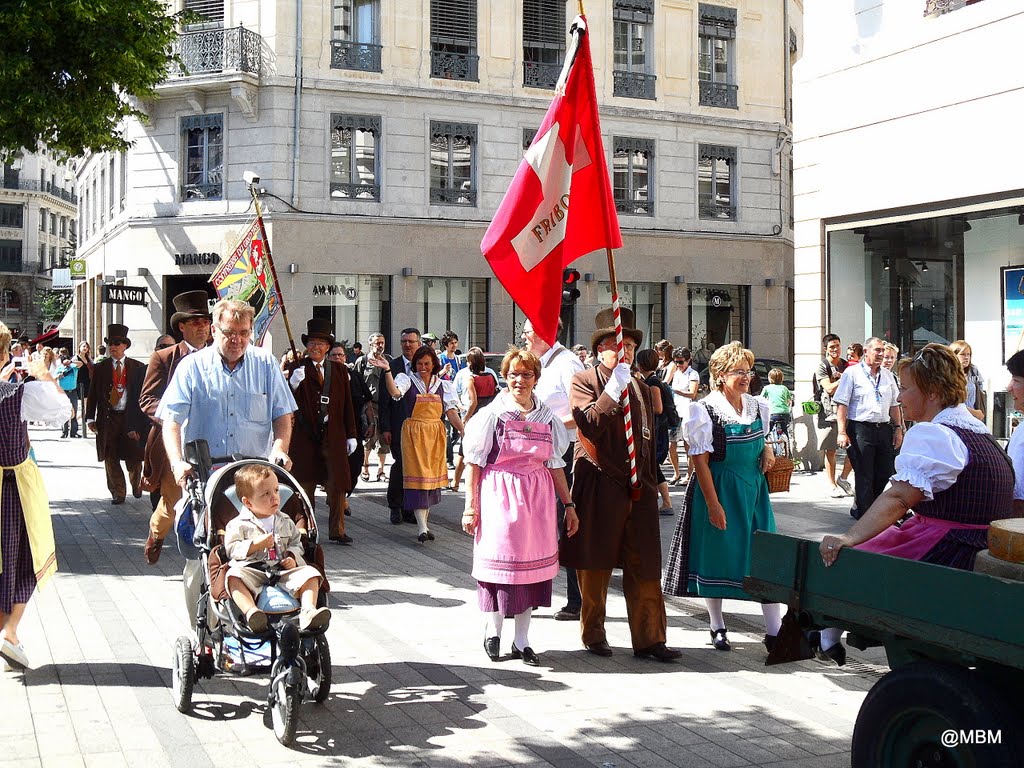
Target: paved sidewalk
{"points": [[412, 686]]}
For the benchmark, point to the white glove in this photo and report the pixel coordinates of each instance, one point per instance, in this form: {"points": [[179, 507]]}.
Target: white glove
{"points": [[298, 376], [351, 445], [617, 382]]}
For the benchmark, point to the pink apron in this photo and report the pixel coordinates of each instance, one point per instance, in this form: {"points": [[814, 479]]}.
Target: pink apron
{"points": [[915, 538], [517, 536]]}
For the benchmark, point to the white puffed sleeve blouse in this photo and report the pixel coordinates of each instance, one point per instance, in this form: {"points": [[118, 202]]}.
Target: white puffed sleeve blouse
{"points": [[697, 424], [479, 439], [932, 456]]}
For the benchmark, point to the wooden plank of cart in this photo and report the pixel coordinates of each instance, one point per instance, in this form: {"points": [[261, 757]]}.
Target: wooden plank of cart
{"points": [[954, 641]]}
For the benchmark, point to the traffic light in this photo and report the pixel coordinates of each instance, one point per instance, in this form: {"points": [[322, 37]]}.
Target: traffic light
{"points": [[569, 290]]}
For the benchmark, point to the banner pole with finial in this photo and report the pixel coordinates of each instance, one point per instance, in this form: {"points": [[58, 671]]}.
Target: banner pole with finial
{"points": [[273, 269]]}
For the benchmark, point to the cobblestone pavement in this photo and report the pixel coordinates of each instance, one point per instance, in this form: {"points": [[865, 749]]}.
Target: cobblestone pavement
{"points": [[412, 686]]}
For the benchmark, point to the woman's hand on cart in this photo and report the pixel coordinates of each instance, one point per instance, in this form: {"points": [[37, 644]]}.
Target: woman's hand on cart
{"points": [[829, 549]]}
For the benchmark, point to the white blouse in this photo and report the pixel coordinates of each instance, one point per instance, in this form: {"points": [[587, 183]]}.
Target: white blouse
{"points": [[479, 439], [932, 456], [437, 386], [44, 402], [697, 424], [1016, 451]]}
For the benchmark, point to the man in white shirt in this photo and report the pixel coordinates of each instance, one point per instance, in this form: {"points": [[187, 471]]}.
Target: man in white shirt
{"points": [[558, 366], [870, 423]]}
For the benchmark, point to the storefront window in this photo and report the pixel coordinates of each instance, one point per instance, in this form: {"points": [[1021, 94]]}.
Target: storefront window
{"points": [[454, 304], [718, 315], [357, 305], [647, 302]]}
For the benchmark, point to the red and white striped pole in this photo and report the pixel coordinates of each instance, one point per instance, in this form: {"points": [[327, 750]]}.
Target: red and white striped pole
{"points": [[634, 477]]}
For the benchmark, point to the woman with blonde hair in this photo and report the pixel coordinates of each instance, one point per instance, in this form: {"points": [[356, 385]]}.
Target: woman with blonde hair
{"points": [[710, 551], [975, 384]]}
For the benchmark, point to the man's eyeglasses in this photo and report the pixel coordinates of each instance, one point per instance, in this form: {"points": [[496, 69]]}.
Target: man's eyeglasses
{"points": [[235, 335]]}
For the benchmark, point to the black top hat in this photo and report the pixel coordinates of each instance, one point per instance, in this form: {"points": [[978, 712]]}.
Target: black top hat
{"points": [[117, 334], [605, 322], [318, 328], [188, 305]]}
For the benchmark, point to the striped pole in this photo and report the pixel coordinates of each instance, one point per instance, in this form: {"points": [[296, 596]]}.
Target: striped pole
{"points": [[634, 477]]}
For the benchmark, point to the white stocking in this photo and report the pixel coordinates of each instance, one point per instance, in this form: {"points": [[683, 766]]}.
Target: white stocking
{"points": [[523, 628], [492, 624], [421, 519], [830, 636], [715, 612], [772, 618]]}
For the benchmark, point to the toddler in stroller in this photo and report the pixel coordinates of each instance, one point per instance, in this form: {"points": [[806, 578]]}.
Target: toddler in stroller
{"points": [[264, 545]]}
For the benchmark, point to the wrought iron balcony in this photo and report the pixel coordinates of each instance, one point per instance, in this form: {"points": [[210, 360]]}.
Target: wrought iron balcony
{"points": [[537, 75], [29, 185], [633, 85], [454, 66], [355, 191], [346, 54], [634, 207], [202, 192], [709, 210], [216, 50], [718, 94], [452, 196], [939, 7]]}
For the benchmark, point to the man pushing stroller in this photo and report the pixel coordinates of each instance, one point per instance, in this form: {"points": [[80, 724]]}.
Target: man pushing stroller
{"points": [[260, 540]]}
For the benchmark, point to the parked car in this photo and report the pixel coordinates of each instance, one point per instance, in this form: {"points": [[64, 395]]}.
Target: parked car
{"points": [[761, 368], [492, 360]]}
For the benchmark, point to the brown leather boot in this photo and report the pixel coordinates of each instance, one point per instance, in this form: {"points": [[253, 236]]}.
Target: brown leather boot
{"points": [[152, 548]]}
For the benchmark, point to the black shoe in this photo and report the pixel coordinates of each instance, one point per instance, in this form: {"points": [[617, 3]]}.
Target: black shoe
{"points": [[343, 539], [430, 536], [422, 537], [396, 516], [527, 655], [666, 511], [769, 642], [348, 512], [118, 500], [408, 517], [600, 649], [658, 652], [719, 640], [492, 647], [567, 614], [837, 653]]}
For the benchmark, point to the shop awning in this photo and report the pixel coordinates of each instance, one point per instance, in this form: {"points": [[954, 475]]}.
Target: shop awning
{"points": [[50, 335]]}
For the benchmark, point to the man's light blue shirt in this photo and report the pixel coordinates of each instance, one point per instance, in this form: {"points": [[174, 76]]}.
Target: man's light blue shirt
{"points": [[232, 410]]}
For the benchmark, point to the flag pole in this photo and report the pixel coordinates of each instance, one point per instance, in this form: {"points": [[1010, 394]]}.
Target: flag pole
{"points": [[273, 269]]}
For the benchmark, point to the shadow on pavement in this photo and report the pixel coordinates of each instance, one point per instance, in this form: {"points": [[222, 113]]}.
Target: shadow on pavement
{"points": [[100, 674]]}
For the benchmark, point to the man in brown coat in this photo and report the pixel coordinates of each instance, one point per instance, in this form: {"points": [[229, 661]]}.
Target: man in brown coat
{"points": [[616, 530], [112, 413], [324, 434], [191, 320]]}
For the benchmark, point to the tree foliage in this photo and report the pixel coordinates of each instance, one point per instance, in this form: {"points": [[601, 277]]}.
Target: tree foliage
{"points": [[53, 305], [69, 67]]}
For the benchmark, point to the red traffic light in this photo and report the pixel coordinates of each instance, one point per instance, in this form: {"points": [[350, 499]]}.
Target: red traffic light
{"points": [[570, 276]]}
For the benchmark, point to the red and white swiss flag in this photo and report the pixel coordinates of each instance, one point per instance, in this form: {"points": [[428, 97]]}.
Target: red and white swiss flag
{"points": [[559, 206]]}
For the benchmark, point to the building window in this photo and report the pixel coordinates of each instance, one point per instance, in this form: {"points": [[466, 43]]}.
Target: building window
{"points": [[357, 305], [939, 7], [42, 219], [718, 315], [716, 185], [716, 53], [210, 13], [454, 304], [355, 42], [647, 300], [72, 229], [42, 259], [453, 40], [12, 215], [10, 302], [10, 255], [53, 223], [110, 189], [124, 178], [203, 137], [633, 20], [543, 42], [452, 163], [355, 157], [632, 160], [63, 228], [529, 134]]}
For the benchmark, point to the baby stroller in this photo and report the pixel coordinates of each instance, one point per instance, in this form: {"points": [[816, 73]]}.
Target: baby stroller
{"points": [[300, 661]]}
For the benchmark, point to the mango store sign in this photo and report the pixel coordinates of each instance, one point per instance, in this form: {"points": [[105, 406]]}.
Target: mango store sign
{"points": [[124, 294]]}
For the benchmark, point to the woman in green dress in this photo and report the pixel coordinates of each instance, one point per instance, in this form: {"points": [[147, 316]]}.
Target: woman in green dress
{"points": [[710, 552]]}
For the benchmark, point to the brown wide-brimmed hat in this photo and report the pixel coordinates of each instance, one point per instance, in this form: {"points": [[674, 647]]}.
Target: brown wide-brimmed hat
{"points": [[605, 322], [116, 334], [318, 328], [189, 305]]}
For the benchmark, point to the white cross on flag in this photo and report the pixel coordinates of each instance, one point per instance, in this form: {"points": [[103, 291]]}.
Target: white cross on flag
{"points": [[559, 205]]}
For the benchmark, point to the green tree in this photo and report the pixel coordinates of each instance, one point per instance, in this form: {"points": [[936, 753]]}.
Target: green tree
{"points": [[69, 67], [53, 305]]}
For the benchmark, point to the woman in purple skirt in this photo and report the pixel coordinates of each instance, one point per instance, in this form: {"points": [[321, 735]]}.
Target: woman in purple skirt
{"points": [[514, 449], [26, 533]]}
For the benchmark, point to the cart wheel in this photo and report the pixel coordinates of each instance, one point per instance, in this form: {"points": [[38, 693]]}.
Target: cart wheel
{"points": [[183, 675], [318, 667], [284, 706], [904, 716]]}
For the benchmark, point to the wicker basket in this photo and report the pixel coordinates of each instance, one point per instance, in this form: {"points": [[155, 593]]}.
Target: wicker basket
{"points": [[781, 473]]}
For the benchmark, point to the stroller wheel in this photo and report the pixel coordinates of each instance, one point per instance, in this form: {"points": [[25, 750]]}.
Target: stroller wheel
{"points": [[318, 667], [183, 675], [285, 700]]}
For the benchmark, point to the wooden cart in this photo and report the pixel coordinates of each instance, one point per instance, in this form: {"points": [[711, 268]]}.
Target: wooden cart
{"points": [[954, 641]]}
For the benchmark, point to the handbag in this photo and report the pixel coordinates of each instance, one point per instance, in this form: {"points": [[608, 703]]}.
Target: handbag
{"points": [[811, 408], [185, 528]]}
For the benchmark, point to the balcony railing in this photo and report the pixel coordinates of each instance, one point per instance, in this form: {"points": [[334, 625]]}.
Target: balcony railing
{"points": [[537, 75], [355, 191], [454, 66], [346, 54], [11, 265], [30, 185], [719, 94], [452, 196], [633, 85], [717, 211], [216, 50], [939, 7]]}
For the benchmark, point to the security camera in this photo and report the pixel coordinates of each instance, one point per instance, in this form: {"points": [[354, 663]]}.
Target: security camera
{"points": [[251, 178]]}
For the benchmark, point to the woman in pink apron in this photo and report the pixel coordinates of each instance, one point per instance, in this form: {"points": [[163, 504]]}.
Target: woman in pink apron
{"points": [[514, 449]]}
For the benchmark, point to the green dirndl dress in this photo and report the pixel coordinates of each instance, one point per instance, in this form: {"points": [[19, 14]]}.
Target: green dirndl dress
{"points": [[703, 560]]}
